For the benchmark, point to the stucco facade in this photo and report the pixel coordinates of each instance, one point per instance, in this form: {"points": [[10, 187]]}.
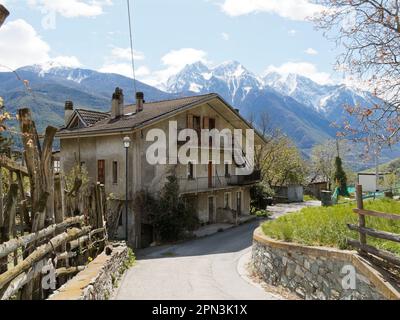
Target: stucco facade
{"points": [[217, 197]]}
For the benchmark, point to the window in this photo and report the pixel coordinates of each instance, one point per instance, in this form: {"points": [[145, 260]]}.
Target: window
{"points": [[197, 123], [211, 124], [190, 171], [227, 174], [239, 203], [101, 171], [227, 201], [57, 166], [115, 172]]}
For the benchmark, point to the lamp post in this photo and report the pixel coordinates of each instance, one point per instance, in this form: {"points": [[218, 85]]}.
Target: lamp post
{"points": [[4, 13], [127, 144]]}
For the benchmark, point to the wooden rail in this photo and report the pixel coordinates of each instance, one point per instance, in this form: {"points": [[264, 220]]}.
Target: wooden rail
{"points": [[361, 228], [51, 227]]}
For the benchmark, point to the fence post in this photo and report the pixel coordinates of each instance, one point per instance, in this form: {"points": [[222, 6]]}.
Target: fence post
{"points": [[361, 217]]}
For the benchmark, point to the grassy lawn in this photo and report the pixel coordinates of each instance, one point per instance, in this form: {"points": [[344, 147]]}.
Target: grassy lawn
{"points": [[320, 226]]}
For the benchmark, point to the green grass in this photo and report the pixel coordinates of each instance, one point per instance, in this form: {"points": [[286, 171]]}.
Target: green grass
{"points": [[320, 226]]}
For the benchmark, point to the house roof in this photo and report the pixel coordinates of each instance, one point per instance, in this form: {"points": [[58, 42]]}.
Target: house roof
{"points": [[90, 117], [152, 112], [102, 122]]}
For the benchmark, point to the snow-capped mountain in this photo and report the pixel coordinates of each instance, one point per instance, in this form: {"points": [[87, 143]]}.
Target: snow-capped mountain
{"points": [[48, 70], [300, 88], [303, 109], [328, 100], [230, 79], [234, 82]]}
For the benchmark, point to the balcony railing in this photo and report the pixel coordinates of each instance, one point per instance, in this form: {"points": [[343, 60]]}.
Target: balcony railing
{"points": [[204, 184], [255, 177]]}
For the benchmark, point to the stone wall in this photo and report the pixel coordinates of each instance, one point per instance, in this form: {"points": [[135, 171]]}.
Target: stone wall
{"points": [[315, 273], [98, 280]]}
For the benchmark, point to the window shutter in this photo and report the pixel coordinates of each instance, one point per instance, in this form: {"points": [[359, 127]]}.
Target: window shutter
{"points": [[206, 123], [190, 121]]}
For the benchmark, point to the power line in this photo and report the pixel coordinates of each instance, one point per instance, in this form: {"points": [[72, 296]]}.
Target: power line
{"points": [[131, 41]]}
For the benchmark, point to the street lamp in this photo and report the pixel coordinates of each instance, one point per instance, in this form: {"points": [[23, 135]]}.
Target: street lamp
{"points": [[127, 144], [4, 13]]}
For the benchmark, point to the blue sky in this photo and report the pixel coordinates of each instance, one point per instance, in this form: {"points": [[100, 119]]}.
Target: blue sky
{"points": [[261, 34]]}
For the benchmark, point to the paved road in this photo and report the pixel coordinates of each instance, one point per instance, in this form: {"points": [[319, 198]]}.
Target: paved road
{"points": [[202, 269], [211, 268]]}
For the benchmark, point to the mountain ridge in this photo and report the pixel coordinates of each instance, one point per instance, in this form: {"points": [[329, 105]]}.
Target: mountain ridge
{"points": [[290, 101]]}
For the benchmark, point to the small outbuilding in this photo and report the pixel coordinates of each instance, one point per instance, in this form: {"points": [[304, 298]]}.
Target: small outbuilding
{"points": [[370, 183], [289, 194], [316, 186]]}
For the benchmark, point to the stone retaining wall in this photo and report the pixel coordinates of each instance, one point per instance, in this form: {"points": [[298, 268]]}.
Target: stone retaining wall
{"points": [[98, 280], [316, 273]]}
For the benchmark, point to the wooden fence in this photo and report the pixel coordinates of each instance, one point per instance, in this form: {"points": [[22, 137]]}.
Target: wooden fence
{"points": [[385, 258], [47, 233]]}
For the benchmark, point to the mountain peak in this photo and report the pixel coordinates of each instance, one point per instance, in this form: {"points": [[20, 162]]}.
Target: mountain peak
{"points": [[231, 68], [198, 66]]}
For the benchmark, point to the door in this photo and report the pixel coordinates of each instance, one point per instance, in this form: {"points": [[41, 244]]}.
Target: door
{"points": [[211, 209], [210, 174], [239, 203]]}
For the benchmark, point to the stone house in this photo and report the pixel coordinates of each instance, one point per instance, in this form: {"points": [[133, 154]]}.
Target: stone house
{"points": [[95, 140]]}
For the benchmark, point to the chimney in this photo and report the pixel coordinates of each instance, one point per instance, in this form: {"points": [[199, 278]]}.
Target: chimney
{"points": [[117, 105], [139, 101], [68, 111]]}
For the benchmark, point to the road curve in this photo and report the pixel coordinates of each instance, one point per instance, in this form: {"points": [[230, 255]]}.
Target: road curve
{"points": [[210, 268]]}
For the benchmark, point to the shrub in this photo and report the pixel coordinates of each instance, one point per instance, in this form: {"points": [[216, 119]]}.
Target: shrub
{"points": [[263, 214], [260, 196]]}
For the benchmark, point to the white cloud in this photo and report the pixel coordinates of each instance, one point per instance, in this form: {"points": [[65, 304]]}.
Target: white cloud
{"points": [[29, 49], [291, 9], [125, 69], [180, 58], [119, 61], [174, 61], [306, 69], [292, 32], [311, 52], [225, 36], [125, 54], [71, 8]]}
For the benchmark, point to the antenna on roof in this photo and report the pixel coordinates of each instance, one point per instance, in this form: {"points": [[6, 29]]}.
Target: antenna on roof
{"points": [[131, 42]]}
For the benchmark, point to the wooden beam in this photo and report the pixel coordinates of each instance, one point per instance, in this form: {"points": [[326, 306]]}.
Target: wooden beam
{"points": [[389, 216], [69, 271], [39, 253], [12, 245], [361, 218], [11, 165], [25, 218], [383, 254], [375, 233], [66, 255], [16, 284], [6, 230], [75, 244]]}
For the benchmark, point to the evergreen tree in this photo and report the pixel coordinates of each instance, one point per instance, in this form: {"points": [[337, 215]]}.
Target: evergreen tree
{"points": [[170, 215], [341, 178]]}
